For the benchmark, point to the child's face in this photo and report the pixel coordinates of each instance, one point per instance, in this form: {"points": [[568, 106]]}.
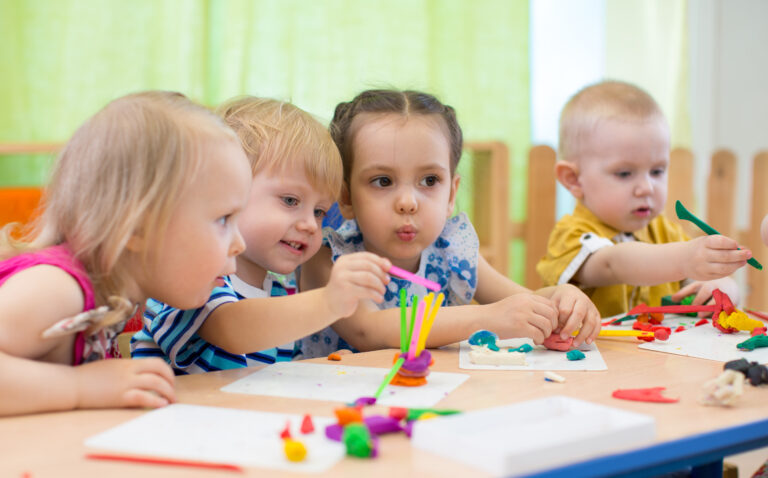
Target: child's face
{"points": [[202, 239], [282, 223], [400, 187], [622, 172]]}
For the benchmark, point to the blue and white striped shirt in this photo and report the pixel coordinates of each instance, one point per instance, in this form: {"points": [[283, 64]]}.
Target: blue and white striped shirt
{"points": [[171, 333]]}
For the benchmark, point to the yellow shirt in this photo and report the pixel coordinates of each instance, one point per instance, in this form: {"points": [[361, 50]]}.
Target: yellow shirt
{"points": [[578, 235]]}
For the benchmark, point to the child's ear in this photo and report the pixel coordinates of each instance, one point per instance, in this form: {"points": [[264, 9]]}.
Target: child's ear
{"points": [[452, 199], [568, 175], [345, 203]]}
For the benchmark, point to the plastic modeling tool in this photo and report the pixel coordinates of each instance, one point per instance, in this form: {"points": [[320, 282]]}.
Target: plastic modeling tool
{"points": [[683, 213]]}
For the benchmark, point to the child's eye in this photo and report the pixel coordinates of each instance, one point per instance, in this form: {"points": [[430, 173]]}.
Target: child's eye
{"points": [[320, 213], [381, 181], [622, 174], [290, 201], [430, 181], [222, 221], [657, 172]]}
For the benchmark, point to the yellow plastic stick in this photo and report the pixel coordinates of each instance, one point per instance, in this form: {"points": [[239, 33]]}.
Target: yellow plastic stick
{"points": [[626, 333], [428, 323]]}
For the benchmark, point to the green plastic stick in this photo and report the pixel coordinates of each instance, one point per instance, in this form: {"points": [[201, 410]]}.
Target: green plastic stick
{"points": [[686, 215], [414, 306], [389, 376], [403, 326]]}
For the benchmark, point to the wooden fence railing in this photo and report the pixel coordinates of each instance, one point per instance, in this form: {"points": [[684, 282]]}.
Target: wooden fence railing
{"points": [[490, 211]]}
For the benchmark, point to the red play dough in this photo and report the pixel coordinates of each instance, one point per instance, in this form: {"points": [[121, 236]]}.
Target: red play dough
{"points": [[643, 395], [554, 342]]}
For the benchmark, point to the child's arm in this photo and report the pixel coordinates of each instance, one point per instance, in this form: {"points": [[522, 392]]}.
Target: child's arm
{"points": [[519, 315], [638, 263], [256, 324], [32, 367], [574, 310]]}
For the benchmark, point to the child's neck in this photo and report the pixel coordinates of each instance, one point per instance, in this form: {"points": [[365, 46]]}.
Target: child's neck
{"points": [[250, 273], [411, 265]]}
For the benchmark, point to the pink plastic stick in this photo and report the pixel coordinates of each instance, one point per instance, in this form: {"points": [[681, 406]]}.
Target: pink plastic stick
{"points": [[403, 274], [416, 330]]}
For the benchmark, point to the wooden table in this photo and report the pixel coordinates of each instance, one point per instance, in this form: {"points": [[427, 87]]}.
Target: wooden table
{"points": [[51, 445]]}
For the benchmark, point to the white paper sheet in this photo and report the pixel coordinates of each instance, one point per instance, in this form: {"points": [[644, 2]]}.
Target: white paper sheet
{"points": [[342, 383], [540, 358], [221, 435], [708, 343]]}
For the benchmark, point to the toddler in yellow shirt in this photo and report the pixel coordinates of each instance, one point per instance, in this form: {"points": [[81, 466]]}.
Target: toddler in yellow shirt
{"points": [[617, 246]]}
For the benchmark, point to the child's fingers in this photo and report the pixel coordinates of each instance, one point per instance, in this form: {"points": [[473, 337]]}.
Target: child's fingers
{"points": [[717, 241], [151, 382], [380, 262], [137, 398], [156, 366], [541, 326], [574, 320], [544, 307], [685, 291], [590, 327]]}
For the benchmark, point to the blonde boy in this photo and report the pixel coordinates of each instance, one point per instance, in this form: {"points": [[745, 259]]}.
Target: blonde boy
{"points": [[617, 246], [253, 317]]}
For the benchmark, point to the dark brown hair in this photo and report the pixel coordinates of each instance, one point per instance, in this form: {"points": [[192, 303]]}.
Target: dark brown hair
{"points": [[391, 101]]}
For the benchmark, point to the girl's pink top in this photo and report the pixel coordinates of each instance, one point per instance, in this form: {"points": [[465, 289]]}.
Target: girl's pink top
{"points": [[58, 256]]}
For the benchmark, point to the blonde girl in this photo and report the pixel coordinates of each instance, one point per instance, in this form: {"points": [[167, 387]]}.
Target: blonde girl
{"points": [[152, 183]]}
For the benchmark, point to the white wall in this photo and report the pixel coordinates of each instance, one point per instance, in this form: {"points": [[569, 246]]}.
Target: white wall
{"points": [[567, 53], [729, 85]]}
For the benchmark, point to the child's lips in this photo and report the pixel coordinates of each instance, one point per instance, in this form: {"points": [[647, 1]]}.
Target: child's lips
{"points": [[406, 233], [642, 212], [220, 282], [294, 247]]}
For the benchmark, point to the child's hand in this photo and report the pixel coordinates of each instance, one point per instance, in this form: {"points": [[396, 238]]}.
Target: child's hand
{"points": [[523, 315], [575, 312], [703, 291], [124, 383], [355, 277], [713, 257]]}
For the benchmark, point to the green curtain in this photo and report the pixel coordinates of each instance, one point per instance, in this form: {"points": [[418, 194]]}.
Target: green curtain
{"points": [[63, 60], [646, 43]]}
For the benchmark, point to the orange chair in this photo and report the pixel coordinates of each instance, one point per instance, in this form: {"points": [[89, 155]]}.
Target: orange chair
{"points": [[19, 204]]}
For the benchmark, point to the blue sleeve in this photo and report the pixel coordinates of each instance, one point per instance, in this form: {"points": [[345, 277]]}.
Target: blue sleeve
{"points": [[172, 333]]}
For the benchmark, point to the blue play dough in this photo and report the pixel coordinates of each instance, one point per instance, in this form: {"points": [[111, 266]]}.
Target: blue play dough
{"points": [[575, 355], [484, 337], [525, 348]]}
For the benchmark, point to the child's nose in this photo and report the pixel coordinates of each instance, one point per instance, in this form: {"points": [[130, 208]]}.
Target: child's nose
{"points": [[237, 246], [307, 222], [406, 202], [644, 186]]}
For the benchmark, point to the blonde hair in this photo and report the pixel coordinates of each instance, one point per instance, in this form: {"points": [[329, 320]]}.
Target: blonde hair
{"points": [[121, 174], [277, 135], [607, 100]]}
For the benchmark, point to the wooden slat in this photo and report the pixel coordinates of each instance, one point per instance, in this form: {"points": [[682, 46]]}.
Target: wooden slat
{"points": [[680, 187], [757, 281], [540, 217], [29, 148], [490, 214], [721, 188]]}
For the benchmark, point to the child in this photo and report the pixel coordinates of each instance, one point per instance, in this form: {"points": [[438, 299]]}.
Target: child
{"points": [[149, 182], [617, 247], [296, 178], [400, 151]]}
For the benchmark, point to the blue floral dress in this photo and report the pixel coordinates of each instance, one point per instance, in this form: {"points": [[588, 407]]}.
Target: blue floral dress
{"points": [[451, 261]]}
